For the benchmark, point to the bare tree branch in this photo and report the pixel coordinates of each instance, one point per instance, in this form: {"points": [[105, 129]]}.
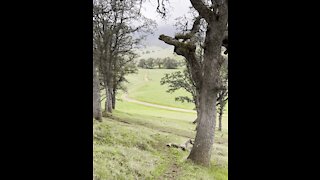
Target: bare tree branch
{"points": [[193, 31], [202, 9]]}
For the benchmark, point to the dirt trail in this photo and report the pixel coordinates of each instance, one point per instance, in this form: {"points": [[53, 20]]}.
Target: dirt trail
{"points": [[126, 98], [172, 172], [146, 77]]}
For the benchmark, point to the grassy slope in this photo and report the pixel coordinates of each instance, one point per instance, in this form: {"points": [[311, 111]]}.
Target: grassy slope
{"points": [[158, 52], [130, 147], [130, 144], [146, 87]]}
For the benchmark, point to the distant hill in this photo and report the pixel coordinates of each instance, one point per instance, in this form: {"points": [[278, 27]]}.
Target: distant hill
{"points": [[157, 52]]}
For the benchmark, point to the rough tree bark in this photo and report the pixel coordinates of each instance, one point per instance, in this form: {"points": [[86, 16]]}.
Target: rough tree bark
{"points": [[108, 74], [108, 90], [108, 102], [96, 95], [205, 74]]}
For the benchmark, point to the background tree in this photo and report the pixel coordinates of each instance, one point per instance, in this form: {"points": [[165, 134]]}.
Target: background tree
{"points": [[96, 94], [123, 67], [222, 100], [170, 63], [182, 80], [159, 62], [204, 72], [142, 63], [223, 94], [115, 25], [150, 63]]}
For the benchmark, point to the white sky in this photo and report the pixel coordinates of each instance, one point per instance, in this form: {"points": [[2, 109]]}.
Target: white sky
{"points": [[177, 8]]}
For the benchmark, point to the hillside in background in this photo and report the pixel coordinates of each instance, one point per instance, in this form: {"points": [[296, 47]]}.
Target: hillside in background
{"points": [[157, 52]]}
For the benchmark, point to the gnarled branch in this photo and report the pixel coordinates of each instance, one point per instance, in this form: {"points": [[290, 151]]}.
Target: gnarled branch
{"points": [[193, 31], [188, 51], [202, 9]]}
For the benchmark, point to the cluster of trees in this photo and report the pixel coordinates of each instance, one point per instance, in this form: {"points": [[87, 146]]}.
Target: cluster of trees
{"points": [[115, 27], [147, 52], [165, 63]]}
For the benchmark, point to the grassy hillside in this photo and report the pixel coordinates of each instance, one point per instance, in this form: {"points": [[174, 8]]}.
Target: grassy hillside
{"points": [[145, 86], [131, 143], [133, 146], [157, 52]]}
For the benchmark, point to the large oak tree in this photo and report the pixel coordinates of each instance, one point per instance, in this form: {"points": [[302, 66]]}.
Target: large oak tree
{"points": [[206, 72]]}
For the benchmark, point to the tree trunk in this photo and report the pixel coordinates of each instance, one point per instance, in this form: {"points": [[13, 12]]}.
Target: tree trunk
{"points": [[108, 76], [108, 102], [96, 95], [201, 151]]}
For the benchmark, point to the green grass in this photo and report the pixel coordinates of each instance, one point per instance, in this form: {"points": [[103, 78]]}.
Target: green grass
{"points": [[132, 146], [124, 152], [146, 87], [126, 149], [131, 142]]}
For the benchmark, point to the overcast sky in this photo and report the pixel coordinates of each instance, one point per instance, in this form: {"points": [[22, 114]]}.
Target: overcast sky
{"points": [[177, 8]]}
